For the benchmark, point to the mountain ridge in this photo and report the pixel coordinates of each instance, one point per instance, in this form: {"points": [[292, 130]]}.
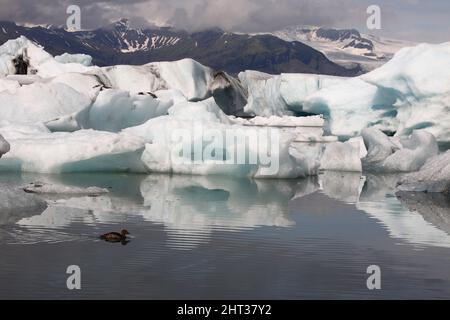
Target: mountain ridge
{"points": [[118, 43]]}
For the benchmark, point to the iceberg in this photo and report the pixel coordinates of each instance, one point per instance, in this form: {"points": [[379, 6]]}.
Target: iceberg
{"points": [[342, 156], [189, 77], [199, 124], [114, 110], [35, 150], [433, 177], [83, 59], [41, 102], [408, 93], [406, 154]]}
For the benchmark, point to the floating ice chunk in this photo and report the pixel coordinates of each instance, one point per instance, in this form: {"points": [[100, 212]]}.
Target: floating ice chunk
{"points": [[82, 59], [398, 155], [34, 54], [16, 204], [415, 71], [4, 146], [228, 93], [264, 98], [40, 102], [197, 125], [347, 106], [9, 85], [341, 156], [81, 151], [87, 84], [46, 188], [286, 121], [359, 141], [433, 177], [418, 78], [379, 146], [188, 76], [296, 88], [115, 110]]}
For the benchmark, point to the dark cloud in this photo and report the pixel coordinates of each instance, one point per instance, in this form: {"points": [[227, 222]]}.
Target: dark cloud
{"points": [[399, 17]]}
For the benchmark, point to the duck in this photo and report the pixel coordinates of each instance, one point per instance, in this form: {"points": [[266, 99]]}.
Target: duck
{"points": [[116, 236]]}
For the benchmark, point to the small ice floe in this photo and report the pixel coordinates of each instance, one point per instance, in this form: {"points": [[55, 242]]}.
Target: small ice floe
{"points": [[53, 189]]}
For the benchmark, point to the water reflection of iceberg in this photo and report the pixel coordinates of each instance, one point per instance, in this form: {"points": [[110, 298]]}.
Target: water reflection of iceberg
{"points": [[16, 204], [189, 208], [434, 208], [422, 223], [184, 203], [379, 201]]}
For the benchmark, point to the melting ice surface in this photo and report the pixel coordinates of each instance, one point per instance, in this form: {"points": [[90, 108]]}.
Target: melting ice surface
{"points": [[210, 237]]}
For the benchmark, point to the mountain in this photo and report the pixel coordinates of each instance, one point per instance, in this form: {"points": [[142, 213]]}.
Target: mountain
{"points": [[118, 43], [345, 46]]}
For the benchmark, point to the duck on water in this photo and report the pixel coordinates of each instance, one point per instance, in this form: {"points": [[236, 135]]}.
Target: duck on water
{"points": [[116, 237]]}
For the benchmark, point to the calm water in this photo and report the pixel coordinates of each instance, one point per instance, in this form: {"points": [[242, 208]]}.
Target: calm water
{"points": [[220, 238]]}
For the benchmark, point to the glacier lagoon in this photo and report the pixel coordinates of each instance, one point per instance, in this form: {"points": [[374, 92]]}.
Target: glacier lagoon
{"points": [[210, 237], [311, 236]]}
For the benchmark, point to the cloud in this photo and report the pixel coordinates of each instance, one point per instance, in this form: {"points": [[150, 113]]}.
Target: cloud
{"points": [[400, 17]]}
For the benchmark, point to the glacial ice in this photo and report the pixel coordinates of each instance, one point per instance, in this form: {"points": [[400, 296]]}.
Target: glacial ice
{"points": [[33, 150], [406, 154], [198, 121], [124, 117], [342, 156], [408, 93], [41, 102], [114, 110], [433, 177], [82, 59], [188, 76]]}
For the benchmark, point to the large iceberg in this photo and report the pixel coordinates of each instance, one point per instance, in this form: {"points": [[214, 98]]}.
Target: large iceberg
{"points": [[125, 118], [198, 138], [410, 92]]}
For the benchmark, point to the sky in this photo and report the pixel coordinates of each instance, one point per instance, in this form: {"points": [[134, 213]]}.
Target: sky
{"points": [[415, 20]]}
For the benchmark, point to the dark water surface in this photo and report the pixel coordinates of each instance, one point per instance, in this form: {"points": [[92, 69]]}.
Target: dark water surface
{"points": [[220, 238]]}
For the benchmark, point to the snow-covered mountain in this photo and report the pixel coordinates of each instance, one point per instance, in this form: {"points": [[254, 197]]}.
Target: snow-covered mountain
{"points": [[345, 46], [119, 43], [125, 39]]}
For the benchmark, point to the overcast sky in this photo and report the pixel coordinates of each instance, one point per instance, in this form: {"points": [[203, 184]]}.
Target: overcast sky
{"points": [[404, 19]]}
